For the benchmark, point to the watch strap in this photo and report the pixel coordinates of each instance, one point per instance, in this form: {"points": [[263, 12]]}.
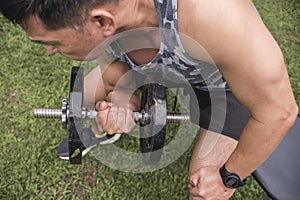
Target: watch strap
{"points": [[225, 175]]}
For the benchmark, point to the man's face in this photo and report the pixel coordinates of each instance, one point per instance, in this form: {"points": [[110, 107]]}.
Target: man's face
{"points": [[69, 42]]}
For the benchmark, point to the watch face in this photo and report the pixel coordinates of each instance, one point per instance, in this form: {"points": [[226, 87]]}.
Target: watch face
{"points": [[232, 182]]}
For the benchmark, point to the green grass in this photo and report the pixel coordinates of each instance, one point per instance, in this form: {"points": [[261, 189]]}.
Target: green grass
{"points": [[29, 168]]}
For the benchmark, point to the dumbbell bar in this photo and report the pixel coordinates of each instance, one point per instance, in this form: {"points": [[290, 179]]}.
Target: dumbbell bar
{"points": [[148, 144], [141, 117]]}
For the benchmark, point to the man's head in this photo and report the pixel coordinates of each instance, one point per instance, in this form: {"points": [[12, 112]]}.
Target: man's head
{"points": [[72, 28], [55, 14]]}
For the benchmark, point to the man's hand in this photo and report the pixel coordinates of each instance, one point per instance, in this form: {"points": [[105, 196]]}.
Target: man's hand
{"points": [[207, 184], [114, 119]]}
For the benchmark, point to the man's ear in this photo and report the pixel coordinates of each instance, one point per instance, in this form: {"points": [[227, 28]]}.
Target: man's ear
{"points": [[103, 20]]}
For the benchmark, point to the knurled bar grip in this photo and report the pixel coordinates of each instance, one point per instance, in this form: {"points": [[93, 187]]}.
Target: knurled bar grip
{"points": [[48, 113]]}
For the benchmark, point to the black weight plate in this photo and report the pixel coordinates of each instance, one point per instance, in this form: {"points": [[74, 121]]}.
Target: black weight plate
{"points": [[152, 135], [75, 115]]}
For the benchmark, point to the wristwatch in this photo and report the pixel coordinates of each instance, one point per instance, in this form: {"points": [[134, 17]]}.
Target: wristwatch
{"points": [[231, 180]]}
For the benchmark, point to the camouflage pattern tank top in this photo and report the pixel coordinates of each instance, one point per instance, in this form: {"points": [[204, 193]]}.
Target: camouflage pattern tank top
{"points": [[172, 63]]}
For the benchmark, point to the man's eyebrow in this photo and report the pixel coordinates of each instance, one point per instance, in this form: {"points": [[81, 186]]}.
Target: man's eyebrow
{"points": [[45, 42]]}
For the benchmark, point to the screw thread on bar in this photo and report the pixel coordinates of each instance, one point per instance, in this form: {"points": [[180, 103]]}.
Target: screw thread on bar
{"points": [[177, 118], [47, 113]]}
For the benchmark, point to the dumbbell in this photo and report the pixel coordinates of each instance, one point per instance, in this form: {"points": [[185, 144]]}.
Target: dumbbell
{"points": [[152, 118]]}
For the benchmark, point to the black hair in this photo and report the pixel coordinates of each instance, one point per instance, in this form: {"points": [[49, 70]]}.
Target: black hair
{"points": [[55, 14]]}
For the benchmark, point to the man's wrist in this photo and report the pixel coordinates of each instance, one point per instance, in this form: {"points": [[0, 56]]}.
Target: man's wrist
{"points": [[231, 180], [237, 164]]}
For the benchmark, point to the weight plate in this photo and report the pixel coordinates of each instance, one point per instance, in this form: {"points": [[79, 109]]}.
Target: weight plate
{"points": [[152, 132], [75, 115]]}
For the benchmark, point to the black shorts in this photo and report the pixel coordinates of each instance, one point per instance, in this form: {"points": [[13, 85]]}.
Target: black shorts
{"points": [[220, 112]]}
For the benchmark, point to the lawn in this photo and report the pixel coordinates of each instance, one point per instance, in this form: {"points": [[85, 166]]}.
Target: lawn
{"points": [[29, 167]]}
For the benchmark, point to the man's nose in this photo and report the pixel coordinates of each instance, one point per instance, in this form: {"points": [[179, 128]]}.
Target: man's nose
{"points": [[51, 49]]}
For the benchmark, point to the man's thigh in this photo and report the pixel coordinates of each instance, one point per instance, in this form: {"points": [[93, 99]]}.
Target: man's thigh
{"points": [[212, 149], [219, 111]]}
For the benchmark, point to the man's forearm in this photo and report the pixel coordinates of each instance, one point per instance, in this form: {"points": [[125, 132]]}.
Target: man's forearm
{"points": [[125, 99]]}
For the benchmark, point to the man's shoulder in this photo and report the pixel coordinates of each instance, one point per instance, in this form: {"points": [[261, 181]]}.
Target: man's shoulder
{"points": [[211, 22], [197, 21]]}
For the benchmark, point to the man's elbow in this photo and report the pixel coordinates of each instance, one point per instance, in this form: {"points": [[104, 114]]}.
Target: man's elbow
{"points": [[287, 117]]}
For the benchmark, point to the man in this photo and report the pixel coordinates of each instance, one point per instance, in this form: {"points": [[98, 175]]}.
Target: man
{"points": [[261, 107]]}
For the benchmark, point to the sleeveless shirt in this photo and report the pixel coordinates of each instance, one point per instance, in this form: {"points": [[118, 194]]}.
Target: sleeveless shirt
{"points": [[172, 62]]}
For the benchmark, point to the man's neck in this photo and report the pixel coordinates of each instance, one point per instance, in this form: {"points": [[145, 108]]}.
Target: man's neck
{"points": [[136, 14], [142, 44]]}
